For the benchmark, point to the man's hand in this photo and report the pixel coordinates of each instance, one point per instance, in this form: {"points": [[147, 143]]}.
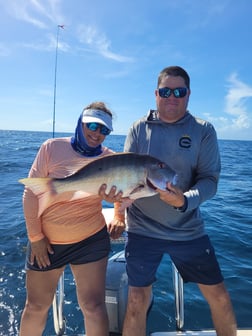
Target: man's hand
{"points": [[39, 251], [172, 196]]}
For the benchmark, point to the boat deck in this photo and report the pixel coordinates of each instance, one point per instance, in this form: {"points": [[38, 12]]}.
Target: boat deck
{"points": [[241, 332]]}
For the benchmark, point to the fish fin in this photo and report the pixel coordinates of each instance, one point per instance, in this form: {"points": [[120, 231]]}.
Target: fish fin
{"points": [[42, 187], [38, 185], [142, 190], [126, 202], [137, 189]]}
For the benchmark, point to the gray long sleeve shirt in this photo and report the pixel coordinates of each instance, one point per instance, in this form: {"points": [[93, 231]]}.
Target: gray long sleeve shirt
{"points": [[190, 147]]}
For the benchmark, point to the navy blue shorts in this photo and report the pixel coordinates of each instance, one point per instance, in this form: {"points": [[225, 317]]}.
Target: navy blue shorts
{"points": [[195, 259], [88, 250]]}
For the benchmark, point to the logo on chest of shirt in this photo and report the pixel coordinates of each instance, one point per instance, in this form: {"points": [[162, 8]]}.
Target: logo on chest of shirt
{"points": [[185, 141]]}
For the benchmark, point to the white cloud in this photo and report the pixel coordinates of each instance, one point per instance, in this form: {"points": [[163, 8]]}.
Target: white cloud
{"points": [[236, 122], [99, 43], [36, 12], [44, 13], [235, 102], [48, 45]]}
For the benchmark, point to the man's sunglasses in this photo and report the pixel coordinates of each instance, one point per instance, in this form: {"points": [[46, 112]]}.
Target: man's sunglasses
{"points": [[93, 126], [179, 92]]}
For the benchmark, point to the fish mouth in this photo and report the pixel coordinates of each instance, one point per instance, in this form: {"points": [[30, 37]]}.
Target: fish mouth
{"points": [[150, 184]]}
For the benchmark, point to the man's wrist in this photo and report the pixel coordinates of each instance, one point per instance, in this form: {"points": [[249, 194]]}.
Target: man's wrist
{"points": [[183, 207]]}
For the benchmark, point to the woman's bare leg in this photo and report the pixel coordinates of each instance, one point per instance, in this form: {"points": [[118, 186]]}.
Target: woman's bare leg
{"points": [[90, 287], [40, 287]]}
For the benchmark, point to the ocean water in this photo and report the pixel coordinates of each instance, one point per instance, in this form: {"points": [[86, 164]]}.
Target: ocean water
{"points": [[228, 218]]}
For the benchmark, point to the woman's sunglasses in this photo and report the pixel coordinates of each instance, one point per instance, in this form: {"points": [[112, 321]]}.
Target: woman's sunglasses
{"points": [[93, 126], [179, 92]]}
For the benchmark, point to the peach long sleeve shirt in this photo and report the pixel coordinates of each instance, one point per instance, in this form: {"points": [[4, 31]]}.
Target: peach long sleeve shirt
{"points": [[77, 215]]}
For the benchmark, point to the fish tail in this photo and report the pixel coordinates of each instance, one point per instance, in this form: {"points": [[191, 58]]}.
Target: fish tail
{"points": [[43, 189], [38, 185]]}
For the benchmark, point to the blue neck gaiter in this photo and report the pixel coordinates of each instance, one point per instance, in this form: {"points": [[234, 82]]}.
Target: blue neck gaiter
{"points": [[79, 143]]}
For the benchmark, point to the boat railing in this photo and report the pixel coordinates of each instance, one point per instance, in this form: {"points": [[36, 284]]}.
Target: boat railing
{"points": [[58, 303], [178, 285]]}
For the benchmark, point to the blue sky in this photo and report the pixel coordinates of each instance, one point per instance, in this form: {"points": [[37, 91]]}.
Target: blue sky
{"points": [[113, 51]]}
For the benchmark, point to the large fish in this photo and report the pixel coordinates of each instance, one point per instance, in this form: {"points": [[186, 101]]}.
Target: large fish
{"points": [[136, 175]]}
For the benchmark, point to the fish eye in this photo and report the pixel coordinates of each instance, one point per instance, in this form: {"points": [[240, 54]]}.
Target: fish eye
{"points": [[161, 165]]}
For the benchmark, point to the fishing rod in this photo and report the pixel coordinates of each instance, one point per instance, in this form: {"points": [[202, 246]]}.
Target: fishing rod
{"points": [[55, 76], [58, 300]]}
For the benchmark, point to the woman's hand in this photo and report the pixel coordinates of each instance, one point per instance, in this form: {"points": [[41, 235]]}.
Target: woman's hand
{"points": [[116, 228], [112, 196], [40, 251]]}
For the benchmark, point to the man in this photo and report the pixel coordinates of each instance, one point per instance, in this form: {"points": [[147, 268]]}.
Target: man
{"points": [[170, 222]]}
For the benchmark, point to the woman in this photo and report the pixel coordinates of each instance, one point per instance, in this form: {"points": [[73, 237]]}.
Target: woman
{"points": [[72, 231]]}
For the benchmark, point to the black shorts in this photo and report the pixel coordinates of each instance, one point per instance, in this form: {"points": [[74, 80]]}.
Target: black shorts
{"points": [[88, 250], [195, 259]]}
